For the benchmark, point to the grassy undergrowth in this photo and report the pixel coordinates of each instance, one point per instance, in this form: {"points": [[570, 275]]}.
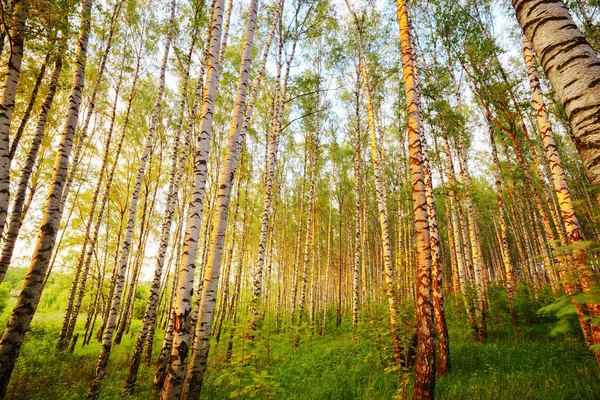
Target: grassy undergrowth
{"points": [[522, 363]]}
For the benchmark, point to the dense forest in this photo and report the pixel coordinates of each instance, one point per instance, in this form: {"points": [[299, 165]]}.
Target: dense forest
{"points": [[299, 199]]}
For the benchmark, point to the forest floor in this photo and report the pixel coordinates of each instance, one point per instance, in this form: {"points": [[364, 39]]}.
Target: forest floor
{"points": [[522, 363]]}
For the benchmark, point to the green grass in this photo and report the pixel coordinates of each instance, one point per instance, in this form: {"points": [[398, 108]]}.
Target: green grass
{"points": [[522, 363], [525, 365]]}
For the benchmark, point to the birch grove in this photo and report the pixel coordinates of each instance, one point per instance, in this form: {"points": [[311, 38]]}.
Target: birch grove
{"points": [[299, 199]]}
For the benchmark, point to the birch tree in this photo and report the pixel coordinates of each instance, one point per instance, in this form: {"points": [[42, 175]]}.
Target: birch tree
{"points": [[381, 200], [102, 362], [572, 66], [425, 373], [182, 328], [8, 92], [24, 309], [236, 140]]}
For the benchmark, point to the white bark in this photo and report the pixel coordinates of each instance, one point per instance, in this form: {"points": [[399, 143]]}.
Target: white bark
{"points": [[104, 355], [24, 309]]}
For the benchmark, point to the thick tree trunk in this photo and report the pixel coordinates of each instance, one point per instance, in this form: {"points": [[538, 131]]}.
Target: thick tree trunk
{"points": [[24, 309], [572, 66]]}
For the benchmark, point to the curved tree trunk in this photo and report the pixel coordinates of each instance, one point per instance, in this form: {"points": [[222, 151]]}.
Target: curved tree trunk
{"points": [[559, 181], [573, 68], [30, 104], [82, 133]]}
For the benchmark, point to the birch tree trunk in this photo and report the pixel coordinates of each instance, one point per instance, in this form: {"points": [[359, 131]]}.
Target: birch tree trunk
{"points": [[16, 215], [559, 181], [101, 364], [77, 289], [8, 92], [182, 328], [105, 196], [473, 239], [381, 202], [504, 250], [357, 207], [175, 175], [34, 92], [81, 135], [425, 371], [269, 171], [236, 140], [443, 342], [311, 142], [162, 361], [572, 66], [24, 309], [327, 272]]}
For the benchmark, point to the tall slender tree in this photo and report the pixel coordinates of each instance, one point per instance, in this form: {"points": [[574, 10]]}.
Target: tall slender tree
{"points": [[425, 371], [8, 92], [381, 199], [27, 302], [102, 362], [200, 350], [182, 327], [572, 66], [16, 214]]}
